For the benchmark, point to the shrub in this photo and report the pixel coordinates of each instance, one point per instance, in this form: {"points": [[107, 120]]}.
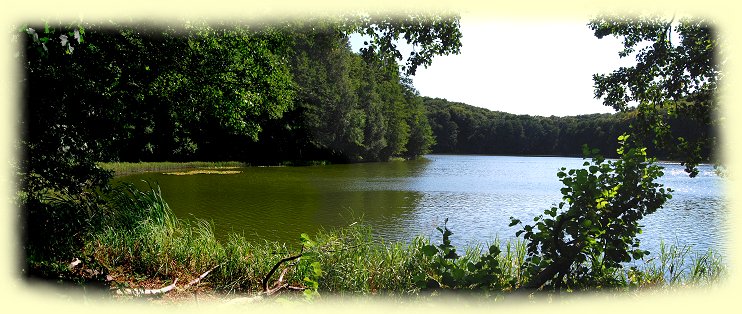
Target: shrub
{"points": [[583, 241]]}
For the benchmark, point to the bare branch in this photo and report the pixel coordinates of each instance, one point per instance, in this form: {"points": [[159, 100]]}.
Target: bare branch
{"points": [[195, 281], [279, 283], [140, 292], [275, 267]]}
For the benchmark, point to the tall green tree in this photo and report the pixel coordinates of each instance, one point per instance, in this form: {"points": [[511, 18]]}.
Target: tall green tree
{"points": [[356, 107], [323, 70], [676, 75], [421, 137]]}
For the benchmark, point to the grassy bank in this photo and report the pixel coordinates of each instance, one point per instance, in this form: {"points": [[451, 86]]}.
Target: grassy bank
{"points": [[143, 243], [149, 242]]}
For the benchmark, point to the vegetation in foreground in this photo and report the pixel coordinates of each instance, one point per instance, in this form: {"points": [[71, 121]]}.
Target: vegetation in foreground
{"points": [[143, 245]]}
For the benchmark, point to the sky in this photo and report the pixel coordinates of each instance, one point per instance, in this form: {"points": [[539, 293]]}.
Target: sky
{"points": [[530, 67]]}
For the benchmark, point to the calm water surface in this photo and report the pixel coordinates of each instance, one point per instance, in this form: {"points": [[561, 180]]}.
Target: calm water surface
{"points": [[400, 200]]}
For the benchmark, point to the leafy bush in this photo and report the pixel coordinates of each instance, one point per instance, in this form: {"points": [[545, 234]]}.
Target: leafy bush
{"points": [[583, 241], [471, 271]]}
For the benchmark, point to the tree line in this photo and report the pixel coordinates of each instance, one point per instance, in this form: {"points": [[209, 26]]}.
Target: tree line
{"points": [[463, 129], [264, 93]]}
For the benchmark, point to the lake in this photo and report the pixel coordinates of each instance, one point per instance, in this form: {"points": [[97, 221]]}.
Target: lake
{"points": [[402, 199]]}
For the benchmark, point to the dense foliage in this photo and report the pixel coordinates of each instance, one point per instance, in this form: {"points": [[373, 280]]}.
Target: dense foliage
{"points": [[488, 271], [676, 75], [347, 107]]}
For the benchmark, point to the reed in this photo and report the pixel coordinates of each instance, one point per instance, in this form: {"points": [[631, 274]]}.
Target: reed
{"points": [[677, 265]]}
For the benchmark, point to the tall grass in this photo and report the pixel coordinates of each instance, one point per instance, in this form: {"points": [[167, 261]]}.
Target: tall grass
{"points": [[143, 239], [678, 266]]}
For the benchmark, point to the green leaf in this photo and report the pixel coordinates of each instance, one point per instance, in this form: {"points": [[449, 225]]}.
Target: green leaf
{"points": [[317, 269], [551, 212], [494, 250], [429, 250], [451, 255], [306, 241], [312, 284], [458, 274]]}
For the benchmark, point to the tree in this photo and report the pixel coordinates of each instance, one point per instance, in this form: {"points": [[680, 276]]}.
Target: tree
{"points": [[676, 75], [57, 151], [421, 135], [353, 107]]}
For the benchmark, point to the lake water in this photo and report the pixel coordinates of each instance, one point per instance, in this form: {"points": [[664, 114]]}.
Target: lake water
{"points": [[403, 199]]}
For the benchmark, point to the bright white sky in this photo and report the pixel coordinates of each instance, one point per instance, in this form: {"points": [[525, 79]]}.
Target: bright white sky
{"points": [[523, 67]]}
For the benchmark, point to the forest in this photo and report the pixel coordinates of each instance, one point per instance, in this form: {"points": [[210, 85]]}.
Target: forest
{"points": [[463, 129], [222, 93]]}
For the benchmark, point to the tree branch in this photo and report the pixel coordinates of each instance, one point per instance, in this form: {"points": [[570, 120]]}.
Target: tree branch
{"points": [[275, 267], [140, 292], [195, 281]]}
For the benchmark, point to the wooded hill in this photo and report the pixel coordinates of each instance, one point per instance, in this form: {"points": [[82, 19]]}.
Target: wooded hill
{"points": [[463, 129]]}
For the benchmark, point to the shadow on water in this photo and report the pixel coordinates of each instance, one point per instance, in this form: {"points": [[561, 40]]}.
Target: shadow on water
{"points": [[280, 203]]}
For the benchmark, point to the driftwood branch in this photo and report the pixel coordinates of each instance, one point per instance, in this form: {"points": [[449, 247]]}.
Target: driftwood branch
{"points": [[195, 281], [295, 288], [279, 284], [140, 291]]}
